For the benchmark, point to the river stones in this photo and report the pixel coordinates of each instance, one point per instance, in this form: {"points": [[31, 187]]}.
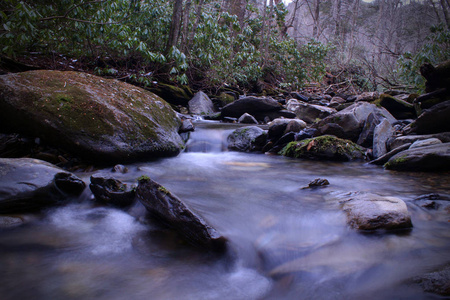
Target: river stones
{"points": [[368, 211], [432, 120], [427, 158], [111, 191], [99, 119], [437, 282], [29, 184], [246, 139], [326, 147], [173, 212], [309, 112]]}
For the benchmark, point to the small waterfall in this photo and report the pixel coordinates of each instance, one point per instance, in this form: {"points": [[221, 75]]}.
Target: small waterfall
{"points": [[209, 137]]}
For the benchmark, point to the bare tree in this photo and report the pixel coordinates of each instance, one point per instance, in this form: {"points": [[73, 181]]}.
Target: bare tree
{"points": [[175, 25]]}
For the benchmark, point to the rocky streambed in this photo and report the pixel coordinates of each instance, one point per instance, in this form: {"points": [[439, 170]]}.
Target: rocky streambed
{"points": [[221, 219]]}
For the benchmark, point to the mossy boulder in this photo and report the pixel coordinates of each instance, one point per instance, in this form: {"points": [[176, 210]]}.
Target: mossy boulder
{"points": [[398, 108], [326, 147], [173, 94], [99, 119]]}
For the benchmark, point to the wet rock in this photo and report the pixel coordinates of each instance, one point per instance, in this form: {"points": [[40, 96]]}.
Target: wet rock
{"points": [[247, 119], [201, 104], [257, 107], [8, 222], [13, 145], [398, 108], [409, 139], [29, 184], [432, 120], [318, 182], [247, 139], [325, 147], [99, 119], [427, 158], [281, 143], [436, 282], [173, 212], [382, 133], [111, 191], [385, 158], [306, 134], [309, 112], [279, 127], [366, 137], [367, 211], [186, 126], [427, 142], [120, 169], [353, 118]]}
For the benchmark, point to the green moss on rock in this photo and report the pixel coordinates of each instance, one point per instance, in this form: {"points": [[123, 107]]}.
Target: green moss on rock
{"points": [[326, 147]]}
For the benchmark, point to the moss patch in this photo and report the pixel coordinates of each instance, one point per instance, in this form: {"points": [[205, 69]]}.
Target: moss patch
{"points": [[326, 147]]}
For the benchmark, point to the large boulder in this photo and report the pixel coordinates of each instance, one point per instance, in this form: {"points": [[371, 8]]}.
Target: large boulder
{"points": [[398, 108], [428, 158], [326, 147], [100, 119], [309, 112], [246, 139], [29, 184], [382, 133], [259, 107], [201, 104], [351, 120], [432, 120], [367, 211], [171, 211]]}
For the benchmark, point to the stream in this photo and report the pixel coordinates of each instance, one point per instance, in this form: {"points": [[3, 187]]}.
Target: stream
{"points": [[287, 242]]}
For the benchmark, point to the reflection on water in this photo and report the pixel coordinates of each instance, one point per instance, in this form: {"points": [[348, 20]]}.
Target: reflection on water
{"points": [[290, 243]]}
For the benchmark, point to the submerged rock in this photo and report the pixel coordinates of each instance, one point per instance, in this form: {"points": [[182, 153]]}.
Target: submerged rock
{"points": [[29, 184], [247, 139], [326, 147], [428, 158], [99, 119], [367, 211], [111, 191], [173, 212], [436, 282], [318, 182]]}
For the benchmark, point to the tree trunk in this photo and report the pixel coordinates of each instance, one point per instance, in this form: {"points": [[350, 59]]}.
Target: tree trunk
{"points": [[184, 35], [174, 31], [435, 11], [198, 14], [445, 11]]}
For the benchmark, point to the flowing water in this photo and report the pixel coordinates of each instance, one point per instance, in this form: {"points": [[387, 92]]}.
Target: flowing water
{"points": [[287, 242]]}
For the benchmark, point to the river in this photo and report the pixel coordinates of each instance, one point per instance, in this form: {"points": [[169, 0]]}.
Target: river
{"points": [[287, 242]]}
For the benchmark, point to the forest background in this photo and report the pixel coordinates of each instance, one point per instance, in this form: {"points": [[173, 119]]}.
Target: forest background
{"points": [[248, 45]]}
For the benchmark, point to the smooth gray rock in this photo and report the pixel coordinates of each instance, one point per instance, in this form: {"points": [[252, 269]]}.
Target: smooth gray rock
{"points": [[247, 119], [352, 119], [309, 112], [382, 133], [259, 107], [368, 211], [409, 139], [385, 158], [427, 142], [200, 104], [246, 139], [427, 158], [28, 184], [174, 213]]}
